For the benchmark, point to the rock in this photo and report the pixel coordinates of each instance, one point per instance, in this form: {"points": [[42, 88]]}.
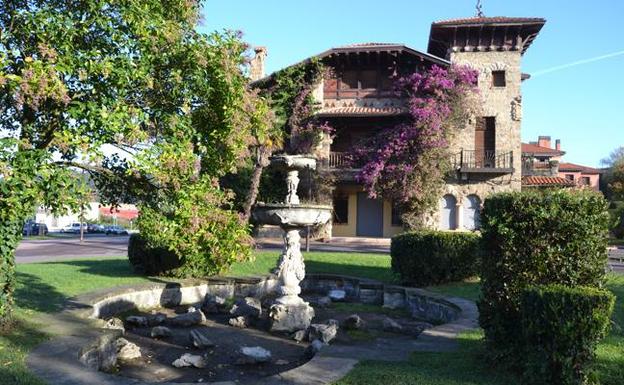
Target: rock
{"points": [[247, 307], [156, 319], [300, 335], [199, 339], [136, 320], [160, 332], [337, 295], [392, 326], [290, 318], [115, 324], [187, 319], [126, 350], [332, 321], [253, 355], [188, 359], [324, 333], [282, 362], [239, 322], [314, 348], [354, 322], [214, 305], [324, 301]]}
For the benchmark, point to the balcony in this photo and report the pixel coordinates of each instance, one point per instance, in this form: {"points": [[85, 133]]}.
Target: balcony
{"points": [[484, 162], [340, 161]]}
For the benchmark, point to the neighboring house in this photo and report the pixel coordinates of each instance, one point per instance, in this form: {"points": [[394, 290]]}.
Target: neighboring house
{"points": [[542, 167], [57, 222], [357, 100], [582, 176]]}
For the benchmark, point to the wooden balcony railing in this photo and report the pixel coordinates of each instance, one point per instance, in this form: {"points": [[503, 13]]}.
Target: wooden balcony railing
{"points": [[484, 161]]}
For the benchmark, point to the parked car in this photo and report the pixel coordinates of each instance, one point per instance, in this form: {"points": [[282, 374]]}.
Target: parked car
{"points": [[35, 229], [96, 228], [73, 228], [116, 230]]}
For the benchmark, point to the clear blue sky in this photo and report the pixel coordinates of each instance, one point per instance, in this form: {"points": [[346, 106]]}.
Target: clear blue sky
{"points": [[583, 105]]}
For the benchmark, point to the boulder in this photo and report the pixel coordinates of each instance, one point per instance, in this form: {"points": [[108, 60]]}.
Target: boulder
{"points": [[188, 359], [240, 322], [290, 318], [247, 307], [253, 355], [300, 335], [199, 339], [314, 348], [136, 320], [187, 319], [392, 326], [160, 332], [214, 305], [156, 319], [337, 295], [354, 322], [126, 350], [115, 324], [322, 332]]}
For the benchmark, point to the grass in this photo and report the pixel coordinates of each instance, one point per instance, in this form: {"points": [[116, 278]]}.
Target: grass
{"points": [[43, 288]]}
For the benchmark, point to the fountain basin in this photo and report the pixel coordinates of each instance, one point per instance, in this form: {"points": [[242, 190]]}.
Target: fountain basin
{"points": [[288, 215], [293, 162]]}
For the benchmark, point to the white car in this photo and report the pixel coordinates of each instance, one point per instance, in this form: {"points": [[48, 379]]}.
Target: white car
{"points": [[73, 228]]}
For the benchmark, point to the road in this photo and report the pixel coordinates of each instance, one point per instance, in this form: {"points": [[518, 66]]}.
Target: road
{"points": [[56, 249]]}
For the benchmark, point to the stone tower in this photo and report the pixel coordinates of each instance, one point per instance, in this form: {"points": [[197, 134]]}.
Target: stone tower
{"points": [[494, 47], [256, 65]]}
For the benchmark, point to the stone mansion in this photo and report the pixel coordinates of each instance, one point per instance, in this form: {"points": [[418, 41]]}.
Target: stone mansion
{"points": [[357, 100]]}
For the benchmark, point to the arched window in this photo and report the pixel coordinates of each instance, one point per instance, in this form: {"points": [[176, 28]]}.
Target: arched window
{"points": [[448, 212], [472, 212]]}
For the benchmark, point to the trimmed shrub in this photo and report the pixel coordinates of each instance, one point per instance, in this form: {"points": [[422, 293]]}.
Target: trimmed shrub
{"points": [[536, 238], [561, 327], [149, 260], [423, 258]]}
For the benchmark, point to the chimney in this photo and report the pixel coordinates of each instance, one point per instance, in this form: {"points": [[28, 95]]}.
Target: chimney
{"points": [[543, 141], [558, 144], [256, 65]]}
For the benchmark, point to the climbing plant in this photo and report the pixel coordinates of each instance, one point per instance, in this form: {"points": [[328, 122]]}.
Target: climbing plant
{"points": [[408, 162]]}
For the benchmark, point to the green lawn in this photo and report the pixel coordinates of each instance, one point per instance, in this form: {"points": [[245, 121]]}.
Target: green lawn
{"points": [[43, 287]]}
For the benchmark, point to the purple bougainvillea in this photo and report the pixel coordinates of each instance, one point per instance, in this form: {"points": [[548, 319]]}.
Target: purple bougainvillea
{"points": [[408, 162]]}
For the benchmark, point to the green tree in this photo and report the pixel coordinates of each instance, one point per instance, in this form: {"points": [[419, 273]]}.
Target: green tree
{"points": [[614, 177], [127, 90]]}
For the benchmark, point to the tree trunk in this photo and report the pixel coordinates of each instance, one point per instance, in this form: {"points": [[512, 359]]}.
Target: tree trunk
{"points": [[262, 160]]}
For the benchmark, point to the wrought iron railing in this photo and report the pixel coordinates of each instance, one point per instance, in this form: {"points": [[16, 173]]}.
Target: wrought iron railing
{"points": [[481, 159]]}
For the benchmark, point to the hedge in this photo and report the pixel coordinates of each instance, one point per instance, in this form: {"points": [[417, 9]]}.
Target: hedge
{"points": [[536, 238], [424, 258], [561, 327], [150, 261]]}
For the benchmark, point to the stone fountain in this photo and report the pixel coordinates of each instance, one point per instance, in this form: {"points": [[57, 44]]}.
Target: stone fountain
{"points": [[290, 312]]}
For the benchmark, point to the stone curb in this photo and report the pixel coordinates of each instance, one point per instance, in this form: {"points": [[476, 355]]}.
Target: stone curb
{"points": [[57, 361]]}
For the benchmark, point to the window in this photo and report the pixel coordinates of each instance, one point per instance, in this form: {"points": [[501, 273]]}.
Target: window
{"points": [[341, 210], [498, 79], [349, 80], [396, 215], [585, 180], [569, 177], [368, 79]]}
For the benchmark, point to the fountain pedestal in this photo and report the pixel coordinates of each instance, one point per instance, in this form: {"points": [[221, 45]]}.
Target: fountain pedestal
{"points": [[290, 312]]}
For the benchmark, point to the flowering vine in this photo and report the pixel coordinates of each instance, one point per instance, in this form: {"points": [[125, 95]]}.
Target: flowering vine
{"points": [[408, 162]]}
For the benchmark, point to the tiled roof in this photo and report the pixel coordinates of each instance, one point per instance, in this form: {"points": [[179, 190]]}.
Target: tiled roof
{"points": [[361, 111], [491, 20], [360, 45], [546, 181], [535, 149], [578, 167]]}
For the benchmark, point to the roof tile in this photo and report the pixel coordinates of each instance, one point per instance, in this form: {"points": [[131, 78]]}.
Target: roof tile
{"points": [[490, 20], [578, 167], [546, 181], [361, 111]]}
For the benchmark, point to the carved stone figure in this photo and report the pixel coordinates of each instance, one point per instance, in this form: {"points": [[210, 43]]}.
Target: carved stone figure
{"points": [[516, 108], [292, 183]]}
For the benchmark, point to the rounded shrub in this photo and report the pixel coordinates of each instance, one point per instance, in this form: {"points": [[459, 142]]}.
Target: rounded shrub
{"points": [[561, 327], [535, 238], [423, 258], [150, 260]]}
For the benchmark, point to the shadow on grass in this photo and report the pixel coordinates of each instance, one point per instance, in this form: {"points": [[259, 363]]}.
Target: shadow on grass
{"points": [[34, 294], [15, 343], [468, 365]]}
